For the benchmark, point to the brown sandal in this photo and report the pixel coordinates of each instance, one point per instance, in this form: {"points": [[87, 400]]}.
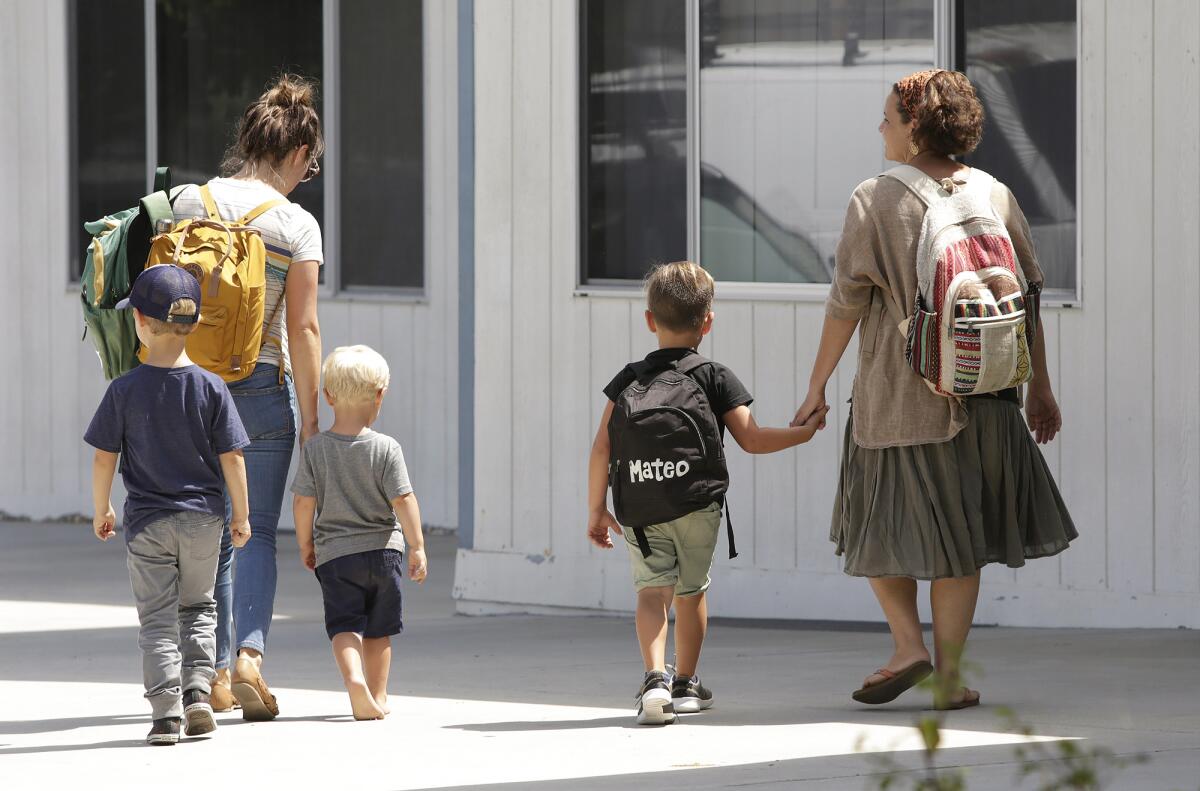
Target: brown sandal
{"points": [[258, 704], [895, 683], [965, 703]]}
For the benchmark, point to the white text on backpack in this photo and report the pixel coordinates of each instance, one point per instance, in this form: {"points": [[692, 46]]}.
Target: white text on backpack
{"points": [[657, 470]]}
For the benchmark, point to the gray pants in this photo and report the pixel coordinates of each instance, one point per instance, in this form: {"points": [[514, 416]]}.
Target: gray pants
{"points": [[173, 569]]}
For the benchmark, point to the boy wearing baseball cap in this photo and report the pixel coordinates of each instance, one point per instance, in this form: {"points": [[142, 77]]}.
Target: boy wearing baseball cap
{"points": [[179, 438]]}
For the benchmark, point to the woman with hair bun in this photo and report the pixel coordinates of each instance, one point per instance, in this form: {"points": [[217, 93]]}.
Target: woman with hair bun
{"points": [[278, 145], [931, 487]]}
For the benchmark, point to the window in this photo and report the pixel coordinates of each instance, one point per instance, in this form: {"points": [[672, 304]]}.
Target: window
{"points": [[108, 122], [1021, 56], [634, 122], [206, 74], [788, 99], [381, 144]]}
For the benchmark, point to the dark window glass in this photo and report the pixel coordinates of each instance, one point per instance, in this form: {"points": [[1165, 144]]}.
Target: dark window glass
{"points": [[791, 94], [108, 125], [1021, 56], [214, 58], [381, 144], [634, 126]]}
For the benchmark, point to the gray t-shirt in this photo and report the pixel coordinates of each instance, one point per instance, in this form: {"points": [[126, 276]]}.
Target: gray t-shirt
{"points": [[354, 480]]}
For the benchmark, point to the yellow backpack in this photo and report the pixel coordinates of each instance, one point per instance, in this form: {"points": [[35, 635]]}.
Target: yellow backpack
{"points": [[230, 262]]}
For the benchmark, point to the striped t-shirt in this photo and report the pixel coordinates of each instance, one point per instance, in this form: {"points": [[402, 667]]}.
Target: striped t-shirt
{"points": [[289, 232]]}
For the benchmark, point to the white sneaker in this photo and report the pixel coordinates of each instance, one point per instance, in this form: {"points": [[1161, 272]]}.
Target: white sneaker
{"points": [[654, 700], [688, 695]]}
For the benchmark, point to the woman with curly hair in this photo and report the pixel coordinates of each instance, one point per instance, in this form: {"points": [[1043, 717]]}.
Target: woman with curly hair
{"points": [[931, 487]]}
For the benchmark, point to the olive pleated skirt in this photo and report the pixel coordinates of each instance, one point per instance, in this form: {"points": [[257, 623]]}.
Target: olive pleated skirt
{"points": [[947, 509]]}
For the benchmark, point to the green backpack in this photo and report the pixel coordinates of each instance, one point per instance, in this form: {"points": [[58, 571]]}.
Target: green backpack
{"points": [[117, 253]]}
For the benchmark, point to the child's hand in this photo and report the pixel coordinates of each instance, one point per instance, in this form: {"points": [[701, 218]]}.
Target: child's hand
{"points": [[816, 421], [814, 404], [239, 531], [103, 524], [308, 556], [599, 523], [418, 566]]}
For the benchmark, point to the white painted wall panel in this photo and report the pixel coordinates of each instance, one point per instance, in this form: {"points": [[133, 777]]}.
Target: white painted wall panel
{"points": [[775, 527], [494, 144], [1176, 319], [531, 261], [1083, 394], [573, 421], [1130, 369]]}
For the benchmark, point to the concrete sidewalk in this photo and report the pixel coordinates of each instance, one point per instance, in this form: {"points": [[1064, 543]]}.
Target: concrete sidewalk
{"points": [[546, 702]]}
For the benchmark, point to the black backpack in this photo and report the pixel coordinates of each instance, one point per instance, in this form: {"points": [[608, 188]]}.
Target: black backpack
{"points": [[666, 455]]}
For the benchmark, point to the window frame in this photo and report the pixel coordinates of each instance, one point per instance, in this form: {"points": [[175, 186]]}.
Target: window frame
{"points": [[948, 46], [332, 287]]}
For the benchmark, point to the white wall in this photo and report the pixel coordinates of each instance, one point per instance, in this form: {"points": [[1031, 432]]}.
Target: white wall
{"points": [[50, 381], [1126, 365]]}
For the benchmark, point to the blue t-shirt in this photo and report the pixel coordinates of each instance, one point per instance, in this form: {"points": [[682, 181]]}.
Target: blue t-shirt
{"points": [[170, 425]]}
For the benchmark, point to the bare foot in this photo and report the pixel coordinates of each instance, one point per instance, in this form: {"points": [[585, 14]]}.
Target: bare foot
{"points": [[897, 663], [362, 704], [381, 701]]}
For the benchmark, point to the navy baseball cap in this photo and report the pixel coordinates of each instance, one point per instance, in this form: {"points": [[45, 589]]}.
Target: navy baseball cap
{"points": [[157, 287]]}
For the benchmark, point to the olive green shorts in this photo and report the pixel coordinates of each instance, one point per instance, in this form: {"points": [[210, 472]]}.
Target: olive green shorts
{"points": [[681, 552]]}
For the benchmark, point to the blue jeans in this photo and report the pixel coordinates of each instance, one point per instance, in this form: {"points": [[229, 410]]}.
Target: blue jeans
{"points": [[246, 577]]}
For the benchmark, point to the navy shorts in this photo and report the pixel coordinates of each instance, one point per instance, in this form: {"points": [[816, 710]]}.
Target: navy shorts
{"points": [[362, 593]]}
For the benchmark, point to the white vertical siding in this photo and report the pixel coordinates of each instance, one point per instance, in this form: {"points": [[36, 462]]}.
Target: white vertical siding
{"points": [[494, 272], [1176, 146], [1084, 480], [570, 391], [531, 266], [51, 380], [1129, 161], [1126, 365]]}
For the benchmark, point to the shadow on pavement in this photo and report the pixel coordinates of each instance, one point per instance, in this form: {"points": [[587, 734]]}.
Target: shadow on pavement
{"points": [[10, 727]]}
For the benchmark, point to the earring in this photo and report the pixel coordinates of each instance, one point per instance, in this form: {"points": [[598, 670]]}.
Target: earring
{"points": [[912, 148]]}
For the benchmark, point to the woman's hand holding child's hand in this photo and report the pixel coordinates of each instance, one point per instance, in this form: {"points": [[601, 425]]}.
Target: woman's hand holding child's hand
{"points": [[418, 565], [239, 531], [816, 421], [599, 523], [104, 525], [813, 406]]}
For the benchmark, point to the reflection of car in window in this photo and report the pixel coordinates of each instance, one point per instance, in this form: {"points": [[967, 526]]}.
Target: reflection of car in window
{"points": [[1025, 76], [729, 216], [637, 184]]}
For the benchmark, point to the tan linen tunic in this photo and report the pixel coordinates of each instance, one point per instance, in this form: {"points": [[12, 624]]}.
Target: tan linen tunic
{"points": [[876, 283]]}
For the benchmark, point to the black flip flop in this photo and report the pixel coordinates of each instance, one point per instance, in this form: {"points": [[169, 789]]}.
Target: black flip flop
{"points": [[894, 683]]}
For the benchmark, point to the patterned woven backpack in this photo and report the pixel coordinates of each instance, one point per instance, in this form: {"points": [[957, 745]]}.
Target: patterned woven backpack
{"points": [[975, 318]]}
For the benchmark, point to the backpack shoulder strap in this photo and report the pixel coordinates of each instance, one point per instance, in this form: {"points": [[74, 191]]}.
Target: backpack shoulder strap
{"points": [[261, 209], [210, 205], [921, 185], [981, 183], [690, 363], [162, 179], [157, 206]]}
